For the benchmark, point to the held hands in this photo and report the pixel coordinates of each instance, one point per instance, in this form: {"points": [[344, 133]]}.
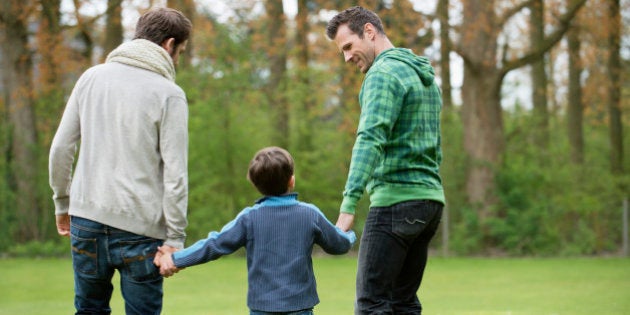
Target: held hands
{"points": [[164, 260], [345, 221]]}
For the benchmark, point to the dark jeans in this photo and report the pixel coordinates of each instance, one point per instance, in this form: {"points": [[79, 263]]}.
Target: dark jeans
{"points": [[302, 312], [393, 255], [97, 251]]}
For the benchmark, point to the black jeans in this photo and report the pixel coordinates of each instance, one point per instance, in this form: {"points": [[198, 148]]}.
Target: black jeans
{"points": [[393, 255]]}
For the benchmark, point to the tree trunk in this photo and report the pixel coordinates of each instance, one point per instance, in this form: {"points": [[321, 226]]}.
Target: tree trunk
{"points": [[539, 79], [276, 51], [481, 109], [483, 135], [575, 109], [614, 101], [50, 71], [50, 97], [306, 98], [113, 27], [187, 7], [49, 40], [445, 50], [83, 35], [17, 75]]}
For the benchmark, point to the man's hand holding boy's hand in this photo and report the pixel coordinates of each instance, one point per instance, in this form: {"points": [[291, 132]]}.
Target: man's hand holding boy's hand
{"points": [[164, 260], [345, 221], [161, 251]]}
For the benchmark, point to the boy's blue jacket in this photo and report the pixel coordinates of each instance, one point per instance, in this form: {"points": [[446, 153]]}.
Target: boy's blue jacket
{"points": [[278, 233]]}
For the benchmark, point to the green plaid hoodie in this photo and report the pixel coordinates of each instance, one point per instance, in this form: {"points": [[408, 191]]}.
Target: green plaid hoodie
{"points": [[397, 152]]}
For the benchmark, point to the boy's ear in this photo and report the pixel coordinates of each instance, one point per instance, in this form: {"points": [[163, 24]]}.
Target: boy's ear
{"points": [[292, 182]]}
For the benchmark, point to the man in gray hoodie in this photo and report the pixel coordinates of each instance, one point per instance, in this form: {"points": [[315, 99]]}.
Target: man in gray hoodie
{"points": [[128, 192], [396, 157]]}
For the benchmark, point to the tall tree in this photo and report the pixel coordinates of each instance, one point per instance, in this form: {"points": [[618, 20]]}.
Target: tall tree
{"points": [[404, 26], [17, 76], [445, 51], [276, 36], [84, 35], [51, 69], [614, 73], [187, 7], [48, 41], [49, 97], [113, 27], [484, 71], [539, 78], [575, 109], [307, 100]]}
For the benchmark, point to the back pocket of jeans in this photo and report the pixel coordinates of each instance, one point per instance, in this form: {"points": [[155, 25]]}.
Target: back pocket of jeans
{"points": [[408, 223], [138, 257], [84, 255]]}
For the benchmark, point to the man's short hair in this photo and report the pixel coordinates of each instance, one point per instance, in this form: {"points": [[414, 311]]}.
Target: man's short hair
{"points": [[270, 171], [356, 18], [160, 24]]}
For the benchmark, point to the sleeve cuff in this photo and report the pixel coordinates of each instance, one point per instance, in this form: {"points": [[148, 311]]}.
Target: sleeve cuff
{"points": [[61, 206], [175, 257], [348, 205], [178, 243], [351, 236]]}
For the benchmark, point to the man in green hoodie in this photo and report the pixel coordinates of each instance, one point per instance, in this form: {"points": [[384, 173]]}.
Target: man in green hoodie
{"points": [[396, 157]]}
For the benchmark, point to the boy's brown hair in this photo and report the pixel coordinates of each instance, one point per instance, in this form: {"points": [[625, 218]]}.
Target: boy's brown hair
{"points": [[271, 170], [158, 25]]}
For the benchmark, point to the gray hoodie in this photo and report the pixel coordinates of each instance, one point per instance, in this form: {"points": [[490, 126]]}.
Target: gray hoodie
{"points": [[131, 172]]}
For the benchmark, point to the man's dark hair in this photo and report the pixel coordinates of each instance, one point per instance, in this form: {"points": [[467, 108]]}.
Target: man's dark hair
{"points": [[158, 25], [356, 18], [270, 171]]}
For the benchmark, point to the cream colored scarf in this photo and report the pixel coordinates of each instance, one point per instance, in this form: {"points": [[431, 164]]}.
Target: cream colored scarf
{"points": [[144, 54]]}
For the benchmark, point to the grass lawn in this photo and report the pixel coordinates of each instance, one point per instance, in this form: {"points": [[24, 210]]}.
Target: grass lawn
{"points": [[469, 286]]}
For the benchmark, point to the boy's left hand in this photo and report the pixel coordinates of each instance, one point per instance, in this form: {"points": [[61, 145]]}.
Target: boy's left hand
{"points": [[165, 262], [161, 251]]}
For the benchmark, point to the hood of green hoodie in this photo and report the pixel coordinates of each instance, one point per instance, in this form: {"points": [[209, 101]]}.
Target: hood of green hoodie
{"points": [[421, 65]]}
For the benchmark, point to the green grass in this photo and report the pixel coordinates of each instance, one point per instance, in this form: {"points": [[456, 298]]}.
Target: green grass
{"points": [[468, 286]]}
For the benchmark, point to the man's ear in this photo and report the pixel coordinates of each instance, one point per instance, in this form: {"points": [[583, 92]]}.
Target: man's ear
{"points": [[169, 45], [369, 31]]}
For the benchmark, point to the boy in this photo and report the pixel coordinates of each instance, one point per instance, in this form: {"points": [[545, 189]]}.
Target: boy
{"points": [[278, 232]]}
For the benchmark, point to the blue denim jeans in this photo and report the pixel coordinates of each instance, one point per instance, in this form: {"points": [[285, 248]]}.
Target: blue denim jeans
{"points": [[302, 312], [392, 256], [98, 251]]}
